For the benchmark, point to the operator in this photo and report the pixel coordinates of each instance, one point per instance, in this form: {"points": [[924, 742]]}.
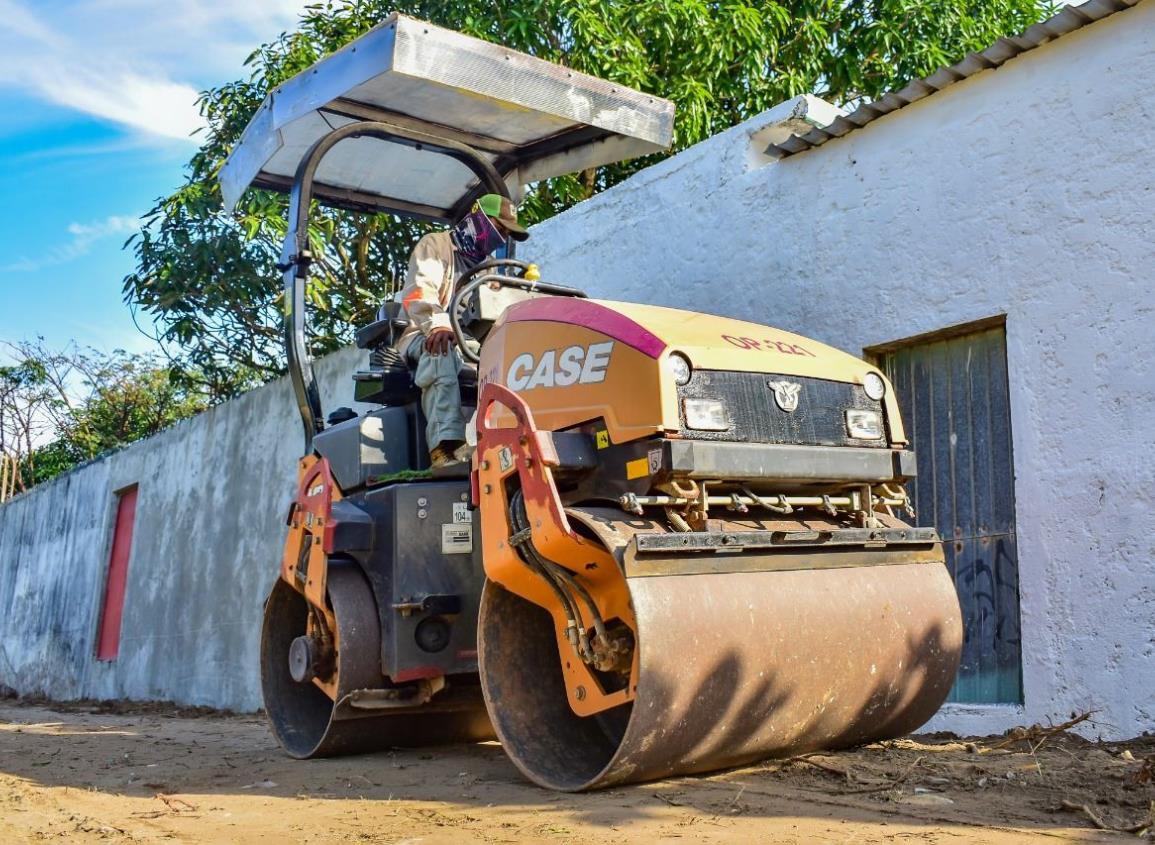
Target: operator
{"points": [[428, 344]]}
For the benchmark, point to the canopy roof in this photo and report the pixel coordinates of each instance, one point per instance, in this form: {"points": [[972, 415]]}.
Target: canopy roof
{"points": [[530, 118]]}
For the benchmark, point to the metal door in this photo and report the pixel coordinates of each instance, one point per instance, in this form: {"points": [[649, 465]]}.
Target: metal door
{"points": [[955, 404]]}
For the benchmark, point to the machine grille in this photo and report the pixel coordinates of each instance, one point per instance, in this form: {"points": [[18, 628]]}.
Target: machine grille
{"points": [[819, 419]]}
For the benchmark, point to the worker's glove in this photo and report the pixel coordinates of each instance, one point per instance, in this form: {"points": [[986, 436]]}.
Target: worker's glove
{"points": [[439, 341]]}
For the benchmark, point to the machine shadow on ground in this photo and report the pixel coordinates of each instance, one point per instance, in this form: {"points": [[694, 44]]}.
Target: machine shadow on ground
{"points": [[926, 781], [745, 707]]}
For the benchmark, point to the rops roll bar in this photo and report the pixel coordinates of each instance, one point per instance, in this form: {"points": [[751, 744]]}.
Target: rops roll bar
{"points": [[296, 256]]}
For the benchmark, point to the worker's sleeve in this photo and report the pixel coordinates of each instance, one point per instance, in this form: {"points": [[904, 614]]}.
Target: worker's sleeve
{"points": [[421, 296]]}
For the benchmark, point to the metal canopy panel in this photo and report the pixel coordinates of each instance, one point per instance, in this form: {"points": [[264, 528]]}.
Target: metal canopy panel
{"points": [[531, 118]]}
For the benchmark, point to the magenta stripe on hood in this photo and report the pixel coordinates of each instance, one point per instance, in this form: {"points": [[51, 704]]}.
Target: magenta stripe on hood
{"points": [[590, 315]]}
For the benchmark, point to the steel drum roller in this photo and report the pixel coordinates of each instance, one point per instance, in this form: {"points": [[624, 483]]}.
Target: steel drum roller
{"points": [[310, 724], [733, 667]]}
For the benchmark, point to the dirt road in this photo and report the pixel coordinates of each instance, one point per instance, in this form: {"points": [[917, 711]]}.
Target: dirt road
{"points": [[77, 774]]}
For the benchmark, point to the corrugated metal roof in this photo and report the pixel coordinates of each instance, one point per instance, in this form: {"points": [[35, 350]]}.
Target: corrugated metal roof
{"points": [[1003, 50]]}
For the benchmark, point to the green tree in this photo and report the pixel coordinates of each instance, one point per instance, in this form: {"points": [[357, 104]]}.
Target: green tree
{"points": [[207, 280], [59, 408]]}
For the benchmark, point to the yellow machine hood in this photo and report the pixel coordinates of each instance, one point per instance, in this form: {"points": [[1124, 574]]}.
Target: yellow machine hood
{"points": [[650, 333], [709, 342]]}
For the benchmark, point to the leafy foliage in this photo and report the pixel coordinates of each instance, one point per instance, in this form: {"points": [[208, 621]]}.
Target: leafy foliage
{"points": [[61, 408], [207, 280]]}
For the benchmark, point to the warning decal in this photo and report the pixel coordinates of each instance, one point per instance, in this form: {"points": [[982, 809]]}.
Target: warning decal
{"points": [[456, 539], [655, 457]]}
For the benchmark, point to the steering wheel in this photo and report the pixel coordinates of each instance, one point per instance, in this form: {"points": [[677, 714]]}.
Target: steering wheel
{"points": [[487, 273]]}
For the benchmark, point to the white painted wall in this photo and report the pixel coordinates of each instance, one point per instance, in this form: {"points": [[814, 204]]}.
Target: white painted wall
{"points": [[209, 530], [1027, 191]]}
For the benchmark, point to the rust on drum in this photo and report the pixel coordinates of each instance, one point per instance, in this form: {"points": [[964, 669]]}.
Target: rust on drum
{"points": [[734, 666]]}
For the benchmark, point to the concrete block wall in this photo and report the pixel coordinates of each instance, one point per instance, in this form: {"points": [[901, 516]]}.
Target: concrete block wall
{"points": [[1025, 191], [212, 496]]}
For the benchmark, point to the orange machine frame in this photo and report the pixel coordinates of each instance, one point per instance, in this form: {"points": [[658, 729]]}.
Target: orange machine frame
{"points": [[524, 453]]}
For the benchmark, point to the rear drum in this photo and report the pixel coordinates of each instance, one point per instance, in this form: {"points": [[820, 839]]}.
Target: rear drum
{"points": [[307, 723]]}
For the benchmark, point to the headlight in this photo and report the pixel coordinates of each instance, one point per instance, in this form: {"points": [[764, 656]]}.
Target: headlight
{"points": [[874, 386], [679, 368], [706, 414], [864, 425]]}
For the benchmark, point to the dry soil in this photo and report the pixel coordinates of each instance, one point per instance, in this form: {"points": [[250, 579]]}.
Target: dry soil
{"points": [[85, 773]]}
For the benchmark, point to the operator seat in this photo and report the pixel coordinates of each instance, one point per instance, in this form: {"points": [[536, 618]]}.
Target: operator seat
{"points": [[388, 380]]}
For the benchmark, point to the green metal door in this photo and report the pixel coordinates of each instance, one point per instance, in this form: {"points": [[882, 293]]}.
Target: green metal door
{"points": [[955, 403]]}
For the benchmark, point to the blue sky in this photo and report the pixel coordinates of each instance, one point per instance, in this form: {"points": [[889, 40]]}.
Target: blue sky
{"points": [[98, 103], [97, 98]]}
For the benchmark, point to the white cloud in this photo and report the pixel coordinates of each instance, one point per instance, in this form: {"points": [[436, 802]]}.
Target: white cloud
{"points": [[117, 224], [23, 23], [153, 105], [58, 152], [84, 235], [136, 63]]}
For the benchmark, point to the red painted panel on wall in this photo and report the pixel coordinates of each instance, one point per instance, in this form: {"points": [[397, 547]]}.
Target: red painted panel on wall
{"points": [[108, 638]]}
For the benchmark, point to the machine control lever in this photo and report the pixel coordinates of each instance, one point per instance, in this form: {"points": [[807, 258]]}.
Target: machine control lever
{"points": [[438, 605]]}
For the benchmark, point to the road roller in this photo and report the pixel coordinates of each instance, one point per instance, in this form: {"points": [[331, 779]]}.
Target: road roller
{"points": [[683, 542]]}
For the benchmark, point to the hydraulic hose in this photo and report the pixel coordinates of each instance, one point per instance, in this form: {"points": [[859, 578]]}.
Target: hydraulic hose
{"points": [[575, 585], [563, 574], [575, 630], [561, 578]]}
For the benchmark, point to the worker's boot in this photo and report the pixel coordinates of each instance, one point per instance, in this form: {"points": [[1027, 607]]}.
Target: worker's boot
{"points": [[450, 453]]}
